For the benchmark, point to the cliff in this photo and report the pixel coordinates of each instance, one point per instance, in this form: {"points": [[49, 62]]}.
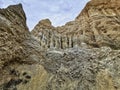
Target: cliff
{"points": [[17, 45], [84, 54], [97, 25]]}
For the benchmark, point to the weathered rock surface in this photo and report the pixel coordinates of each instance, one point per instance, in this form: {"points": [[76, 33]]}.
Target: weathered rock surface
{"points": [[13, 32], [82, 55], [102, 19], [97, 25], [17, 45], [77, 69]]}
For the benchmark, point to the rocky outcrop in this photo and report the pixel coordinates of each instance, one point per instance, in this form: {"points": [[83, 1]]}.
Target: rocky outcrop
{"points": [[97, 25], [50, 36], [13, 32], [76, 69], [102, 19], [17, 45], [83, 69], [84, 54]]}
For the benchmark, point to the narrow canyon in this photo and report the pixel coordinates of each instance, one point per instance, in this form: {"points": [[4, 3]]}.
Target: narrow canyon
{"points": [[83, 54]]}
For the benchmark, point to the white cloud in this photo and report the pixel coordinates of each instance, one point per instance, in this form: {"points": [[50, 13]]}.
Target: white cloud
{"points": [[58, 11]]}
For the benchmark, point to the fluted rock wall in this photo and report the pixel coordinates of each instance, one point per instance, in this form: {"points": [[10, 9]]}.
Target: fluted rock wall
{"points": [[97, 25], [50, 37]]}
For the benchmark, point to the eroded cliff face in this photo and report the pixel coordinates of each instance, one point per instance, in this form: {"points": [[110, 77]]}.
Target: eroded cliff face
{"points": [[77, 69], [102, 18], [52, 37], [97, 25], [17, 46], [12, 32], [84, 54]]}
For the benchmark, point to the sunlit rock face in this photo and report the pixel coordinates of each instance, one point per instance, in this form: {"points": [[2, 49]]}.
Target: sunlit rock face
{"points": [[97, 25], [102, 18], [84, 54]]}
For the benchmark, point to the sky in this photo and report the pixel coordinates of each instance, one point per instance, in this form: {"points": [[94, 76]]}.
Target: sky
{"points": [[58, 11]]}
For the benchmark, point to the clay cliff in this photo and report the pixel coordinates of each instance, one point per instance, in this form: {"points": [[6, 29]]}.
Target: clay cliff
{"points": [[84, 54]]}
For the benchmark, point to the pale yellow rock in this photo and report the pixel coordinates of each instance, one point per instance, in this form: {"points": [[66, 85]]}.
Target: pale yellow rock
{"points": [[39, 80], [104, 81]]}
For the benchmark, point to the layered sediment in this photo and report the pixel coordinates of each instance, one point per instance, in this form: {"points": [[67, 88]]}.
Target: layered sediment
{"points": [[84, 54], [97, 25]]}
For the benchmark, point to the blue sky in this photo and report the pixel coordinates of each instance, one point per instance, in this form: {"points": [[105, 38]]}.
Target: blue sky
{"points": [[58, 11]]}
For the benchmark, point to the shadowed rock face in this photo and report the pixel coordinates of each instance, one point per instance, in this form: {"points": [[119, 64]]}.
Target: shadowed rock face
{"points": [[61, 58], [13, 31], [17, 46]]}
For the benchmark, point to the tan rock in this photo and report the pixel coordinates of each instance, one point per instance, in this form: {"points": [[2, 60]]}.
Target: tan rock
{"points": [[97, 25], [45, 22], [17, 45], [61, 58]]}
